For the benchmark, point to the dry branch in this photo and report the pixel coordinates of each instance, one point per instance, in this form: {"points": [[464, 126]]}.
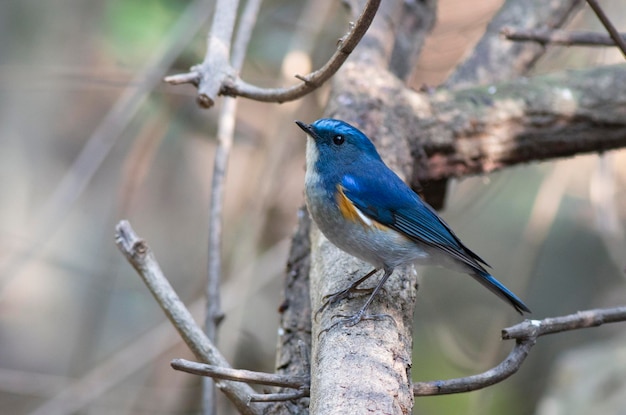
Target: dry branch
{"points": [[493, 60], [559, 37], [525, 334], [231, 85], [142, 259], [619, 41]]}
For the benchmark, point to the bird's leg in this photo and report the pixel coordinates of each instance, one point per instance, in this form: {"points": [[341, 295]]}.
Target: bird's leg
{"points": [[338, 296], [360, 315]]}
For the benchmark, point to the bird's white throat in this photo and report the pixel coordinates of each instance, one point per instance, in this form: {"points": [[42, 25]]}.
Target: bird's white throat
{"points": [[312, 155]]}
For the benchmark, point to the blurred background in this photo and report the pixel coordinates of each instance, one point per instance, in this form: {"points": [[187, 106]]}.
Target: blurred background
{"points": [[89, 135]]}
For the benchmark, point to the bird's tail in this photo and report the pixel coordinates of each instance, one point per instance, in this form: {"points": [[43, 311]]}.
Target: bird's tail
{"points": [[501, 291]]}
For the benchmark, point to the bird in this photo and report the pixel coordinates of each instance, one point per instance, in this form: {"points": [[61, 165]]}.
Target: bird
{"points": [[366, 210]]}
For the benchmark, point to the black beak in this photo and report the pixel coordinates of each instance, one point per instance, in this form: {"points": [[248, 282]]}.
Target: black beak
{"points": [[306, 128]]}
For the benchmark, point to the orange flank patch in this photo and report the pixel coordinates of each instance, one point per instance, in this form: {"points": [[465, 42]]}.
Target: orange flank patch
{"points": [[352, 213]]}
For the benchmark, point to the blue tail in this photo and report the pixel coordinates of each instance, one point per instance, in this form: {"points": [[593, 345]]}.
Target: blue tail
{"points": [[501, 291]]}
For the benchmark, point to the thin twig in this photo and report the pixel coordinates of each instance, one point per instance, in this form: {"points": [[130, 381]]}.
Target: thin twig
{"points": [[492, 60], [497, 374], [579, 320], [278, 397], [312, 81], [142, 259], [559, 37], [608, 25], [225, 134], [240, 375]]}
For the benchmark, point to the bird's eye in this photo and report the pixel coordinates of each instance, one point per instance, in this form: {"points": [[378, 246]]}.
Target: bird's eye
{"points": [[338, 140]]}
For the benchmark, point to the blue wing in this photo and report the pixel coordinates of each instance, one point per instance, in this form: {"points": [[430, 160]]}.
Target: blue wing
{"points": [[385, 198]]}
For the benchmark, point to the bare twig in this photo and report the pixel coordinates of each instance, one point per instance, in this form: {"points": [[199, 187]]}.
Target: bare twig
{"points": [[615, 35], [526, 334], [312, 81], [278, 397], [495, 61], [80, 393], [559, 37], [225, 133], [581, 320], [497, 374], [240, 375], [142, 259]]}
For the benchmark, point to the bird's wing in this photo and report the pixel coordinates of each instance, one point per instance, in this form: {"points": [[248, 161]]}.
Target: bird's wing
{"points": [[386, 199]]}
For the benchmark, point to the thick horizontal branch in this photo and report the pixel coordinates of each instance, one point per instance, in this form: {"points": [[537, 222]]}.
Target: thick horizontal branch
{"points": [[480, 130], [483, 129], [559, 37], [236, 87]]}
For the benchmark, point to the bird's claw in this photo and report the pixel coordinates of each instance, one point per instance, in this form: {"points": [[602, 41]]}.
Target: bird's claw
{"points": [[330, 299], [352, 320]]}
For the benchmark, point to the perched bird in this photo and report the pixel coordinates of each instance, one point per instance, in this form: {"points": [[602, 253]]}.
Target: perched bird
{"points": [[366, 210]]}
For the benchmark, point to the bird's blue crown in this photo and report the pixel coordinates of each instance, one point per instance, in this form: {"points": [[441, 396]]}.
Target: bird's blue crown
{"points": [[342, 137]]}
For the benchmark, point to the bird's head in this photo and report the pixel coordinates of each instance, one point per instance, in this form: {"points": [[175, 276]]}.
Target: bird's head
{"points": [[336, 143]]}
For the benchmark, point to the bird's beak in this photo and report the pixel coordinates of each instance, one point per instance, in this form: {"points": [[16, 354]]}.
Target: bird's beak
{"points": [[306, 128]]}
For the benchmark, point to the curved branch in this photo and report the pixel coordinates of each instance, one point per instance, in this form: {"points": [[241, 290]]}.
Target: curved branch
{"points": [[497, 374], [526, 334], [314, 80], [237, 87]]}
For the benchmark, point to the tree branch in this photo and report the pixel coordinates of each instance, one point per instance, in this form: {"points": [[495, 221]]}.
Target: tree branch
{"points": [[225, 134], [142, 259], [608, 25], [495, 61], [240, 375], [480, 130], [525, 334], [231, 86], [559, 37], [530, 329]]}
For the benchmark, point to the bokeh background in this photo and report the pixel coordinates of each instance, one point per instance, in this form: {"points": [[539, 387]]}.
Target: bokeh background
{"points": [[87, 139]]}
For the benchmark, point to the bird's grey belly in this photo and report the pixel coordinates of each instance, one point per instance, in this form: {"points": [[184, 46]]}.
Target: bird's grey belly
{"points": [[379, 247]]}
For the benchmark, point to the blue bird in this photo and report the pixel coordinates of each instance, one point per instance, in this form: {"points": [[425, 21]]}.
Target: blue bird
{"points": [[366, 210]]}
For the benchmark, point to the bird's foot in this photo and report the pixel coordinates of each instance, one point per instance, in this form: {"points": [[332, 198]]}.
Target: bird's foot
{"points": [[352, 320], [331, 299]]}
